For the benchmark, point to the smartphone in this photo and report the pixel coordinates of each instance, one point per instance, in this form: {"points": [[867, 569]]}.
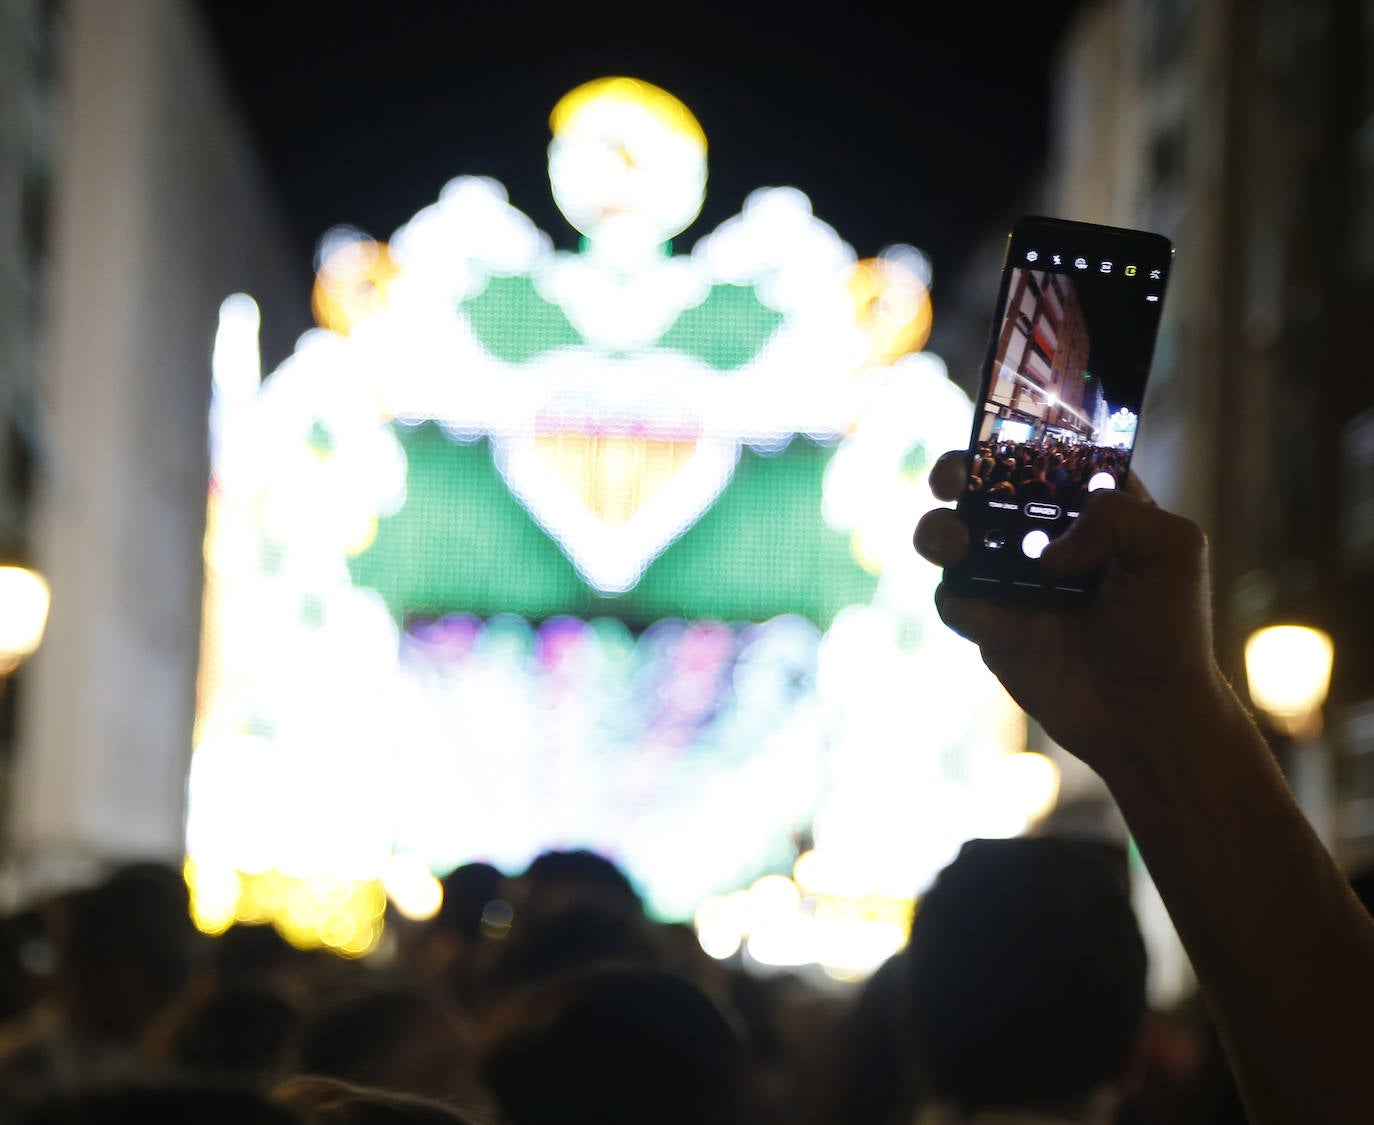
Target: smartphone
{"points": [[1058, 406]]}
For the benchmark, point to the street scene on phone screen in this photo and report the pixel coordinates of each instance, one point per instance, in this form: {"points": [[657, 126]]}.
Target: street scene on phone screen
{"points": [[1059, 415]]}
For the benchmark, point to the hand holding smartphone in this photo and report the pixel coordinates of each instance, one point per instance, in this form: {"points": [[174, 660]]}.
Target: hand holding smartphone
{"points": [[1058, 405]]}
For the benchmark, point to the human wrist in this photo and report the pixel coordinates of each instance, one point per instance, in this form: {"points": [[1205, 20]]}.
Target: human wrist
{"points": [[1192, 726]]}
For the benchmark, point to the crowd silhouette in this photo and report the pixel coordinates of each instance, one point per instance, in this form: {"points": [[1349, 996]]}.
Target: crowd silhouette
{"points": [[1020, 999], [1024, 984], [1046, 470]]}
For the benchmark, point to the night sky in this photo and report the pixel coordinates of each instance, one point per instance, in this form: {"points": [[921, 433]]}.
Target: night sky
{"points": [[1121, 331], [920, 125]]}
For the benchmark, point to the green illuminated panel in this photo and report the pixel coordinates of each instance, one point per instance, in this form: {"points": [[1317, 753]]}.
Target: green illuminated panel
{"points": [[726, 330], [462, 542], [515, 323]]}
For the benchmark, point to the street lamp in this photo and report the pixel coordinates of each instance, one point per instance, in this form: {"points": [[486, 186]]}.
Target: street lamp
{"points": [[24, 600], [1288, 668]]}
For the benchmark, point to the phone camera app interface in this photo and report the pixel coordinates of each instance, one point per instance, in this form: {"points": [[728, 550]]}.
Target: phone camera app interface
{"points": [[1058, 418]]}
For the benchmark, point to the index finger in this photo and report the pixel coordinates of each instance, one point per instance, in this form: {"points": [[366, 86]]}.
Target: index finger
{"points": [[949, 475], [1116, 526]]}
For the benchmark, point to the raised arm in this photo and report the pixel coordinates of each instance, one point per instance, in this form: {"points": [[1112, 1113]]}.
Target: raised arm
{"points": [[1283, 950]]}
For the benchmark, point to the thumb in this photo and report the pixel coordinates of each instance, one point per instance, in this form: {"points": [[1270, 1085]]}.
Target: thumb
{"points": [[1137, 536]]}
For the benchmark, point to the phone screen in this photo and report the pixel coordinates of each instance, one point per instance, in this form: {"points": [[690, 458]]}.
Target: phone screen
{"points": [[1058, 409]]}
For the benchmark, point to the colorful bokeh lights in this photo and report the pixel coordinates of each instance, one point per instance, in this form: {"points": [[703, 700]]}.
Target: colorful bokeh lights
{"points": [[529, 549]]}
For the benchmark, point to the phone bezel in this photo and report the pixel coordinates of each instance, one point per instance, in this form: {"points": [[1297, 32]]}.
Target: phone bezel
{"points": [[1095, 243]]}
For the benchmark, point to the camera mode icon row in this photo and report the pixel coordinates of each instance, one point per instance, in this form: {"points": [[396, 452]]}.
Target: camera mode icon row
{"points": [[1103, 266], [1033, 543]]}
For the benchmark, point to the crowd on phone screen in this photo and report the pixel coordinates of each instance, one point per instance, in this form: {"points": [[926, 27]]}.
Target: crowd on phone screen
{"points": [[576, 1007], [1049, 470]]}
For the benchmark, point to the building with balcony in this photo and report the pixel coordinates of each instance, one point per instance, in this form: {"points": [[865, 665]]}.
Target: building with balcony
{"points": [[1041, 384]]}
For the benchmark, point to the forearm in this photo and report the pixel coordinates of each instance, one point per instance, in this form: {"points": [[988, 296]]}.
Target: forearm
{"points": [[1282, 949]]}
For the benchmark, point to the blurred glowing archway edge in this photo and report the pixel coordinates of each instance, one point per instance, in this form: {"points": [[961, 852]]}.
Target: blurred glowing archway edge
{"points": [[610, 548]]}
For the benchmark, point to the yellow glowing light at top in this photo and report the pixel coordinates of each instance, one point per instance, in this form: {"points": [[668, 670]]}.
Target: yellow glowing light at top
{"points": [[352, 283], [627, 91], [892, 306]]}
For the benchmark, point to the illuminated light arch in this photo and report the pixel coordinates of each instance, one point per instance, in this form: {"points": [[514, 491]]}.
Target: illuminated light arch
{"points": [[612, 95], [611, 548], [627, 162], [352, 279], [892, 300]]}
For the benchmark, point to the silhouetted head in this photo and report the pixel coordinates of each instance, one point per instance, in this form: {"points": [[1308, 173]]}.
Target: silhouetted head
{"points": [[397, 1037], [556, 879], [254, 954], [454, 947], [579, 936], [1027, 974], [467, 891], [873, 1078], [615, 1047], [237, 1030], [126, 951]]}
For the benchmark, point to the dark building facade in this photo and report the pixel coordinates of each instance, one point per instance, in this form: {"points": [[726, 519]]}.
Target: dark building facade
{"points": [[1244, 130]]}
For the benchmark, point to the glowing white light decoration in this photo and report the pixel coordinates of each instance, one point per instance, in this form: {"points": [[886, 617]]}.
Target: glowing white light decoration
{"points": [[412, 887], [1121, 427], [333, 736], [627, 164]]}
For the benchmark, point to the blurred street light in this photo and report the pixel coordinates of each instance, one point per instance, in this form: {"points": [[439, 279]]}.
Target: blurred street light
{"points": [[24, 599], [1288, 668]]}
